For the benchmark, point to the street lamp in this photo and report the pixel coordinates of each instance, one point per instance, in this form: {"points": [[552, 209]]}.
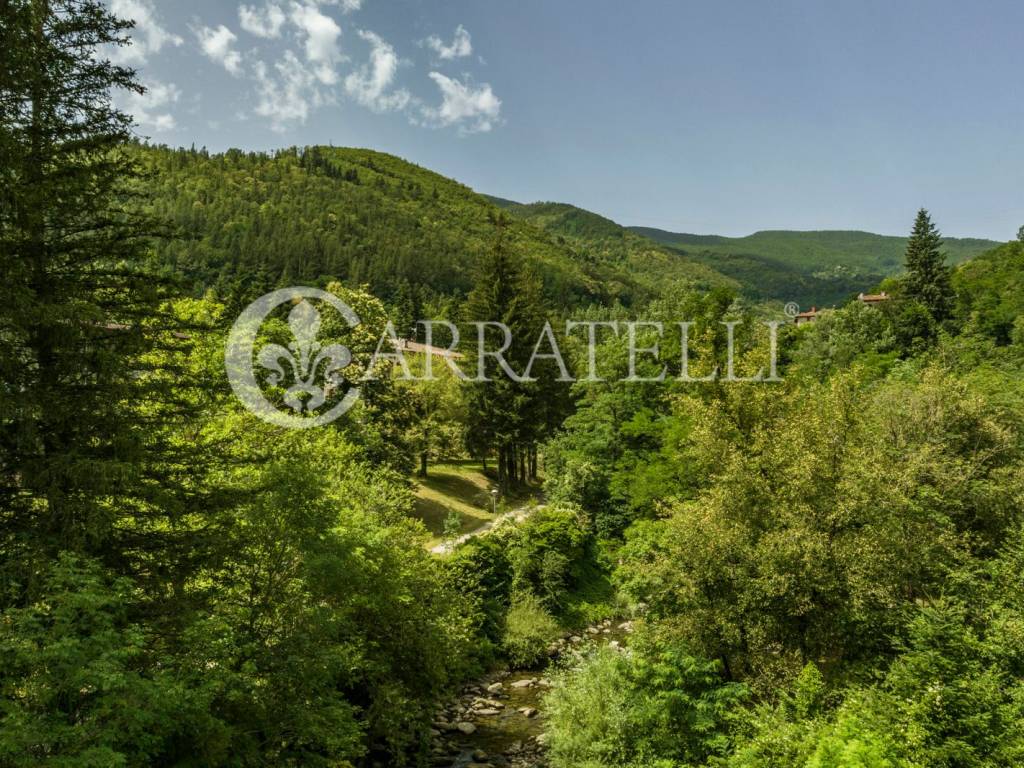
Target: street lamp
{"points": [[494, 501]]}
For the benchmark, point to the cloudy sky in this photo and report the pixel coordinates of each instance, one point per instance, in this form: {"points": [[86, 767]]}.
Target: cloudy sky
{"points": [[712, 117]]}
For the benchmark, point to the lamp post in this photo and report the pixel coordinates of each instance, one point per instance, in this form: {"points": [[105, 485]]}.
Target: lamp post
{"points": [[494, 501]]}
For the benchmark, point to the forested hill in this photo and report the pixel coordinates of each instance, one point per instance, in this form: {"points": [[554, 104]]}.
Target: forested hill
{"points": [[600, 240], [858, 252], [253, 221], [990, 290], [809, 267]]}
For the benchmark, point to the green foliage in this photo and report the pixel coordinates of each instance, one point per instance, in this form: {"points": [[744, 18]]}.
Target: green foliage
{"points": [[927, 280], [835, 264], [866, 509], [79, 685], [656, 706], [546, 552], [529, 630], [990, 290], [90, 361], [836, 340], [252, 221], [506, 415], [597, 241], [829, 569]]}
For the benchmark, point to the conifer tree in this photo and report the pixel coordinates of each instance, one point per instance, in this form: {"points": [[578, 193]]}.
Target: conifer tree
{"points": [[86, 464], [500, 409], [928, 278]]}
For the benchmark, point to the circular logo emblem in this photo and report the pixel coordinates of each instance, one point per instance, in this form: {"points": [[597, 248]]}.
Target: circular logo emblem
{"points": [[307, 370]]}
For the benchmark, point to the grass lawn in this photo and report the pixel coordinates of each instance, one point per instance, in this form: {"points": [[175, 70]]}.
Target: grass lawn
{"points": [[462, 487]]}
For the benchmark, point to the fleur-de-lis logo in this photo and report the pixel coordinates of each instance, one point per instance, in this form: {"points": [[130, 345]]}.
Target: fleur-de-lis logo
{"points": [[306, 357], [310, 370]]}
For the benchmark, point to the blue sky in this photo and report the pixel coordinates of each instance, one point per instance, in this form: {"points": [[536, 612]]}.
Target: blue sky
{"points": [[709, 117]]}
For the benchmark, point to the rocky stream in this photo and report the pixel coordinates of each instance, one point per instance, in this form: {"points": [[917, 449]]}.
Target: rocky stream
{"points": [[498, 720]]}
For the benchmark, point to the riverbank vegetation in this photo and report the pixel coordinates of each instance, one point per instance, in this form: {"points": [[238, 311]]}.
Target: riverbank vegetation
{"points": [[822, 571]]}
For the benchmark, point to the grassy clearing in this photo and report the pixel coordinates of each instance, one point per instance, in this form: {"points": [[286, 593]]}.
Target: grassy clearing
{"points": [[464, 488]]}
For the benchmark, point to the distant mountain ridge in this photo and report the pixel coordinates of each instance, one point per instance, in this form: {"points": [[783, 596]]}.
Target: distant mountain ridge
{"points": [[810, 267], [251, 221], [861, 252]]}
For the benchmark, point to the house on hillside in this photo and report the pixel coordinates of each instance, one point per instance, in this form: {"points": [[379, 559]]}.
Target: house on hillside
{"points": [[873, 299], [405, 345], [806, 317]]}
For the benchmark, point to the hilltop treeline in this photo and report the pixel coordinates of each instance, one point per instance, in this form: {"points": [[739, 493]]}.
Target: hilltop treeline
{"points": [[243, 223]]}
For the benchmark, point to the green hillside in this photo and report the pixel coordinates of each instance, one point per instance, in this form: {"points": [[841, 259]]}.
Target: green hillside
{"points": [[991, 292], [820, 268], [819, 252], [595, 239], [252, 221]]}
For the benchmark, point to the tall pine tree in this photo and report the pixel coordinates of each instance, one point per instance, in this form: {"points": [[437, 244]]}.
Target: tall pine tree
{"points": [[500, 409], [88, 462], [928, 278]]}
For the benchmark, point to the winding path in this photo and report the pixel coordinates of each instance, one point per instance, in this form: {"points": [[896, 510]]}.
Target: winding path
{"points": [[516, 515]]}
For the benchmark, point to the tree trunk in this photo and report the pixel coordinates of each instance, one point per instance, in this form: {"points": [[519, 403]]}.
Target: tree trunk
{"points": [[423, 464]]}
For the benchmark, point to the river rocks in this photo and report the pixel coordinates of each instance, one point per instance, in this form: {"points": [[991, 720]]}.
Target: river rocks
{"points": [[506, 705]]}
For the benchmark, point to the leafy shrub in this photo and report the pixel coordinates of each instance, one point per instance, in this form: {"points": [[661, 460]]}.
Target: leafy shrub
{"points": [[74, 687], [546, 553], [656, 706], [529, 629]]}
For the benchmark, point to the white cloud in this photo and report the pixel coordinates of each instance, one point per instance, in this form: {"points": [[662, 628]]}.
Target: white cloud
{"points": [[347, 6], [218, 45], [262, 23], [472, 109], [150, 109], [287, 95], [460, 46], [370, 84], [148, 36], [322, 33]]}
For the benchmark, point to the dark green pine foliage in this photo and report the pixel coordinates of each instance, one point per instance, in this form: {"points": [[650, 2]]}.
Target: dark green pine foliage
{"points": [[87, 360], [501, 410], [928, 278]]}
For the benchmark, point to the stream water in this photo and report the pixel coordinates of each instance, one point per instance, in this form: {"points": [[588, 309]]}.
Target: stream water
{"points": [[498, 720]]}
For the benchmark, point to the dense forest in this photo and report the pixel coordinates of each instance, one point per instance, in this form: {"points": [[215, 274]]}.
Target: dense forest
{"points": [[822, 268], [246, 222], [819, 572]]}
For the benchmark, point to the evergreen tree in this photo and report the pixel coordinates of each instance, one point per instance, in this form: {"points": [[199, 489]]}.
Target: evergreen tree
{"points": [[928, 278], [1020, 234], [500, 408], [86, 462]]}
